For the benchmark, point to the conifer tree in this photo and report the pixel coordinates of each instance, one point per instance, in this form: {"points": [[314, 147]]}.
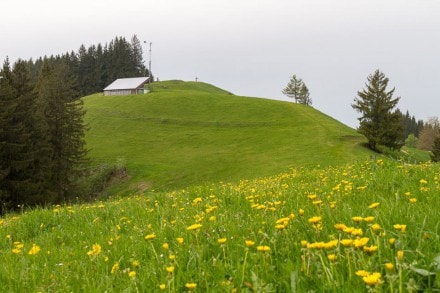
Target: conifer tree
{"points": [[57, 91], [380, 122], [16, 150], [296, 89]]}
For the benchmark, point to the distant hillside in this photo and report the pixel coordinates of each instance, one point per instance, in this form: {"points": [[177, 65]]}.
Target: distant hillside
{"points": [[186, 133]]}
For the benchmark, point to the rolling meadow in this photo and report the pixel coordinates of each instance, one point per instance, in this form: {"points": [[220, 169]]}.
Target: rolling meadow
{"points": [[231, 194]]}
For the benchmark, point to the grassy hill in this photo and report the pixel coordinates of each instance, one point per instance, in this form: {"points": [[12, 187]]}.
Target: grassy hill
{"points": [[185, 133]]}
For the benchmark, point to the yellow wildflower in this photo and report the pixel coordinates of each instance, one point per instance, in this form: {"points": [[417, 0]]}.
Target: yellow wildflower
{"points": [[315, 220], [389, 266], [165, 246], [362, 273], [357, 219], [413, 200], [190, 286], [374, 205], [172, 257], [369, 219], [263, 248], [249, 243], [400, 254], [221, 240], [372, 279], [340, 227], [34, 250], [96, 250], [423, 181], [115, 268], [194, 227], [170, 269], [132, 274], [332, 257], [346, 242], [180, 240], [162, 286], [300, 212], [150, 236], [135, 263], [360, 242], [370, 249]]}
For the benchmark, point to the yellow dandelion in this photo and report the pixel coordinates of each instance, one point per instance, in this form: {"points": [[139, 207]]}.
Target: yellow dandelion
{"points": [[332, 257], [304, 243], [374, 205], [171, 257], [372, 279], [263, 248], [370, 249], [170, 269], [400, 255], [389, 266], [135, 263], [369, 219], [162, 286], [340, 226], [115, 268], [16, 250], [190, 286], [357, 219], [413, 200], [362, 273], [166, 246], [194, 227], [150, 236], [180, 240], [301, 212], [346, 242], [315, 220], [221, 240], [376, 227], [423, 181], [391, 241], [96, 250], [34, 250], [132, 274], [360, 242]]}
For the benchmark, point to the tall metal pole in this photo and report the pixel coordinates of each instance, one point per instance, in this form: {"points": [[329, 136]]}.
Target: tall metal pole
{"points": [[149, 62]]}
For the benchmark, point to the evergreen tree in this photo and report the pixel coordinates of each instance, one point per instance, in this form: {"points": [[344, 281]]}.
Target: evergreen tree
{"points": [[304, 96], [296, 89], [380, 123], [57, 91], [16, 150]]}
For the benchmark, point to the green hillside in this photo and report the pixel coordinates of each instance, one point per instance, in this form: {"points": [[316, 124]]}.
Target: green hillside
{"points": [[185, 133]]}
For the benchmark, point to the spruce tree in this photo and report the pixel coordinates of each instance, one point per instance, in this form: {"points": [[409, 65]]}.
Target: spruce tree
{"points": [[380, 123], [57, 91], [16, 150]]}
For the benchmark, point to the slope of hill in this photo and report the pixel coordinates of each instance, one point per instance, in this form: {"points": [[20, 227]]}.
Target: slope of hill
{"points": [[185, 133]]}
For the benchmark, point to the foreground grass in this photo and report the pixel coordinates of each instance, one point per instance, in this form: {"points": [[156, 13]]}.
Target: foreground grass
{"points": [[186, 133], [371, 226]]}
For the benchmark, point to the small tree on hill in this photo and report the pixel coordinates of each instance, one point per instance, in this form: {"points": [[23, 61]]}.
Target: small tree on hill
{"points": [[296, 89], [380, 122]]}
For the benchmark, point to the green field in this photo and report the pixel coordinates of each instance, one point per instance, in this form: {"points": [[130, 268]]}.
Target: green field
{"points": [[186, 133], [231, 194]]}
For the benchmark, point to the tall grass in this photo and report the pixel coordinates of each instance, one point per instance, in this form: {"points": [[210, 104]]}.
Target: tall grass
{"points": [[369, 226]]}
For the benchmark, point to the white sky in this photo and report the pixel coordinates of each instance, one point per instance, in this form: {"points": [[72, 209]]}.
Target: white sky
{"points": [[252, 47]]}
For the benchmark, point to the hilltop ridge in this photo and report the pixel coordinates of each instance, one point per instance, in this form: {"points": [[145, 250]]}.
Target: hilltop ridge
{"points": [[186, 133]]}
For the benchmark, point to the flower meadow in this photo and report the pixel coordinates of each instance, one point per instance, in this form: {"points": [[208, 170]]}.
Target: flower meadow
{"points": [[364, 227]]}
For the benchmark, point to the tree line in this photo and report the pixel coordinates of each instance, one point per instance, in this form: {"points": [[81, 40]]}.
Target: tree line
{"points": [[97, 66], [42, 146]]}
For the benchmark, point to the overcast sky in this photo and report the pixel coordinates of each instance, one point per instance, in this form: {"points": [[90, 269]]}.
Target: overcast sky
{"points": [[253, 47]]}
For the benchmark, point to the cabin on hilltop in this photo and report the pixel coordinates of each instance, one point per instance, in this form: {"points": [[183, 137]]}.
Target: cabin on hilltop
{"points": [[127, 86]]}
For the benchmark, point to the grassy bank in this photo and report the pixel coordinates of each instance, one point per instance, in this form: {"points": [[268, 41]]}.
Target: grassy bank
{"points": [[366, 226]]}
